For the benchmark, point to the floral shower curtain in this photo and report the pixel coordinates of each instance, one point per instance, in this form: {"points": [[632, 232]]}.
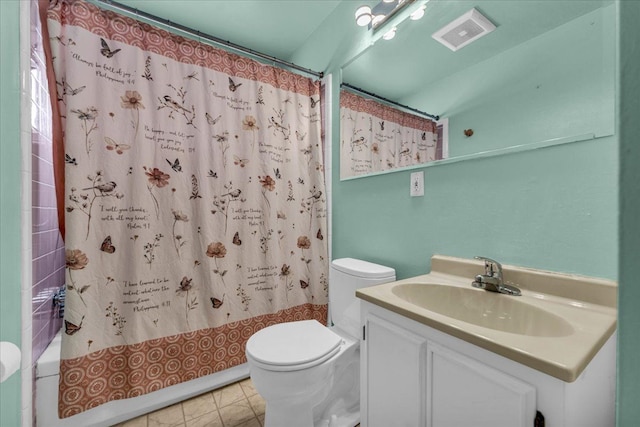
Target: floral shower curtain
{"points": [[195, 204], [375, 137]]}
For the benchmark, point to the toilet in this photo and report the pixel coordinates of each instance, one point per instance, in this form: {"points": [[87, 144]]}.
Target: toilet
{"points": [[307, 373]]}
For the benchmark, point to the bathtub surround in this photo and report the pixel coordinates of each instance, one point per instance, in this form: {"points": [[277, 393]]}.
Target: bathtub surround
{"points": [[48, 379], [47, 245], [194, 200]]}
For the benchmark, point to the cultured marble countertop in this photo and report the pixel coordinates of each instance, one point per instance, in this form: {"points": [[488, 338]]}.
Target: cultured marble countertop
{"points": [[587, 304]]}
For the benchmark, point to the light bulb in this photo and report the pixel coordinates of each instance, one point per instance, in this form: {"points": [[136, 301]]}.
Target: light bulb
{"points": [[377, 19], [388, 1], [418, 13], [363, 16], [390, 34]]}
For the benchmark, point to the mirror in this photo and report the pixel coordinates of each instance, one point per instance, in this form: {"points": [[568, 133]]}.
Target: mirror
{"points": [[545, 76], [377, 136]]}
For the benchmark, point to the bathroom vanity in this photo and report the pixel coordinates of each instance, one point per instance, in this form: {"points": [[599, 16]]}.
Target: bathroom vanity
{"points": [[437, 352]]}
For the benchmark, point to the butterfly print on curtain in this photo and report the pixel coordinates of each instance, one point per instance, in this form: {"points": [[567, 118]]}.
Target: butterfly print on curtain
{"points": [[203, 249]]}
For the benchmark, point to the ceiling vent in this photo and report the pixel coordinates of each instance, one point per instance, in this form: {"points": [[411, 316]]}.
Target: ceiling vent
{"points": [[464, 30]]}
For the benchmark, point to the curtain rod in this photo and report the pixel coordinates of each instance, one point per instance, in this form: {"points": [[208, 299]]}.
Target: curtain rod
{"points": [[406, 107], [153, 18]]}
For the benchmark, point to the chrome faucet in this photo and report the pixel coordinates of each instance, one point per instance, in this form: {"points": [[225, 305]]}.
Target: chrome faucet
{"points": [[492, 280]]}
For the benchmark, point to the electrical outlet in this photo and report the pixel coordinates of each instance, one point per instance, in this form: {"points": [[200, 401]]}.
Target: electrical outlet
{"points": [[417, 184]]}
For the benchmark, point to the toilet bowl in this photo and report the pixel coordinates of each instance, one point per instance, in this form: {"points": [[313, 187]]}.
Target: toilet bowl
{"points": [[307, 373]]}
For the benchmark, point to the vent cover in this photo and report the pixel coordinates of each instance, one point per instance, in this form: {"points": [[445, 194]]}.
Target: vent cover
{"points": [[464, 30]]}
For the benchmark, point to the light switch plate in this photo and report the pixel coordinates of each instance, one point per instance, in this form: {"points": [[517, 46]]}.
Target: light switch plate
{"points": [[417, 184]]}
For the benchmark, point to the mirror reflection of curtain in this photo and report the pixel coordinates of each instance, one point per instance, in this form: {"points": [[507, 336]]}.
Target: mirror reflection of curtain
{"points": [[194, 200], [375, 137]]}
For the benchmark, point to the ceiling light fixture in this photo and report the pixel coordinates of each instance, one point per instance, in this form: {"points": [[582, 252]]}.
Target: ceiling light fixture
{"points": [[376, 16], [363, 16], [377, 19]]}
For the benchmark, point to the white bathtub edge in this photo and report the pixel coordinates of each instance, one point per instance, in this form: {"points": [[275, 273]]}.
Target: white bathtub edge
{"points": [[120, 410]]}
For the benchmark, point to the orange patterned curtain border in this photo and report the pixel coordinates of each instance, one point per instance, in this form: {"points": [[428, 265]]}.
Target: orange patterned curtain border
{"points": [[384, 112], [113, 26], [142, 368]]}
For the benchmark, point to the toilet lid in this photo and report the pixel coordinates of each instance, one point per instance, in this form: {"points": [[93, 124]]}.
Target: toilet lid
{"points": [[293, 343]]}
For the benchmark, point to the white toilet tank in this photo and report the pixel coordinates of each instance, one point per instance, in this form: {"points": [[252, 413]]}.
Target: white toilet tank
{"points": [[346, 275]]}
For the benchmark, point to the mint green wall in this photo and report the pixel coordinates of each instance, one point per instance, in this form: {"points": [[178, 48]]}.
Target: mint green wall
{"points": [[558, 84], [629, 292], [552, 208], [10, 248]]}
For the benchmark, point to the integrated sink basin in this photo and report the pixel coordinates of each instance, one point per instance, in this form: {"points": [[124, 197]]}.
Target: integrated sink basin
{"points": [[556, 325], [487, 309]]}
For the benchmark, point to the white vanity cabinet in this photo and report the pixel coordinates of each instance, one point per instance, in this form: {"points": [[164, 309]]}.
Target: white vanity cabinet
{"points": [[416, 376]]}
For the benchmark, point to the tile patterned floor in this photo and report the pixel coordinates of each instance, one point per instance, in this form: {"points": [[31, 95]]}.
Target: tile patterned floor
{"points": [[236, 405]]}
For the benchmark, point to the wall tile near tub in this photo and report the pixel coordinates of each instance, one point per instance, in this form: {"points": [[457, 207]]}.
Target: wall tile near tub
{"points": [[45, 325], [48, 259]]}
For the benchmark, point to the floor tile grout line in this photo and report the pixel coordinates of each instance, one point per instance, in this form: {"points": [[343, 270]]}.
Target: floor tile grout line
{"points": [[253, 409], [184, 418]]}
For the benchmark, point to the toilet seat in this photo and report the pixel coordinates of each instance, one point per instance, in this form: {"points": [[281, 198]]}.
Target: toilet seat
{"points": [[292, 346]]}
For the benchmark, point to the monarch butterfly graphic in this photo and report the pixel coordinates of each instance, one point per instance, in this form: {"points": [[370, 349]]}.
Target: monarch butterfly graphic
{"points": [[276, 172], [217, 303], [212, 174], [233, 86], [304, 284], [381, 125], [105, 50], [175, 165], [319, 234], [107, 246], [236, 239], [114, 146], [240, 162], [314, 102], [70, 328]]}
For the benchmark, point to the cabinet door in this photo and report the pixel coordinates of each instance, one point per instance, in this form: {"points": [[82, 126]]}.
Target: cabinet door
{"points": [[462, 392], [394, 362]]}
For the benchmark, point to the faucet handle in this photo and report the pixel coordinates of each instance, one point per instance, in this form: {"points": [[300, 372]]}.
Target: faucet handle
{"points": [[488, 267]]}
